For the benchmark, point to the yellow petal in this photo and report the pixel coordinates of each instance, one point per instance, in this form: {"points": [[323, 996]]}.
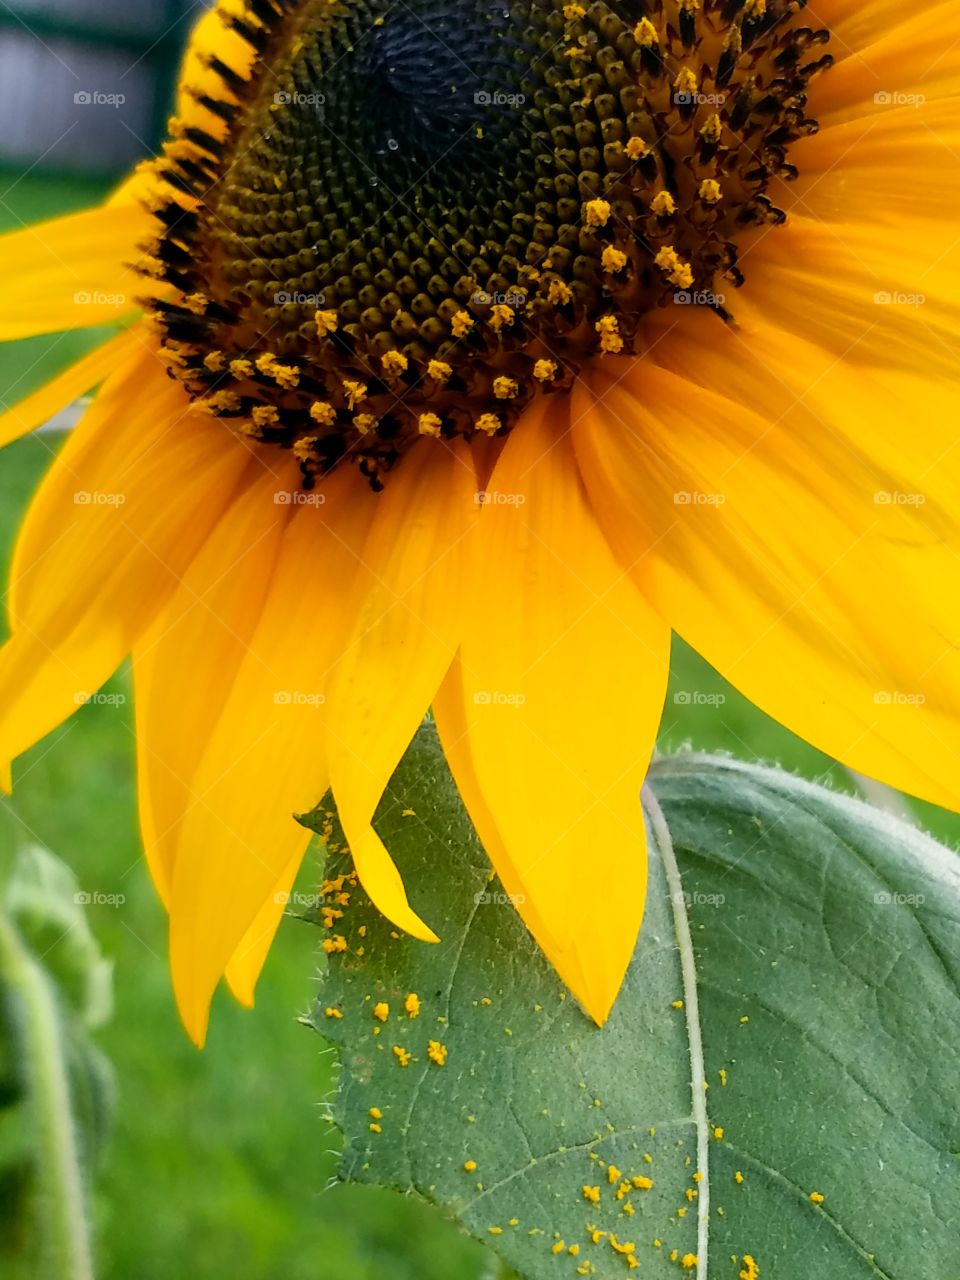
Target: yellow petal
{"points": [[103, 545], [810, 556], [210, 37], [564, 668], [36, 409], [264, 759], [185, 664], [408, 608], [71, 272]]}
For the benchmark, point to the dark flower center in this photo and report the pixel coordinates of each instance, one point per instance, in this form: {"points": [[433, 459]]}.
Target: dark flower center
{"points": [[426, 213]]}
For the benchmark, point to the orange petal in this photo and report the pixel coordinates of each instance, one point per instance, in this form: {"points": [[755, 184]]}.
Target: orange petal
{"points": [[564, 668], [408, 610], [264, 759], [72, 272]]}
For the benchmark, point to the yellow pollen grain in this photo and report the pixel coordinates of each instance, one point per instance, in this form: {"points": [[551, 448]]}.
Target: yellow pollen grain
{"points": [[331, 1012], [596, 213], [505, 388], [323, 413], [613, 1174], [264, 415], [375, 1128], [558, 1247], [215, 361], [461, 324], [412, 1005], [470, 1166], [495, 1231], [645, 34], [394, 363], [545, 370], [375, 1113], [691, 1194], [738, 1177], [722, 1073], [750, 1269], [677, 1004], [326, 322], [641, 1183], [572, 12], [574, 1250], [672, 265], [817, 1197], [617, 1247], [490, 424], [712, 129], [558, 293], [596, 1235], [698, 1176], [682, 1213], [636, 148], [686, 82], [611, 343], [710, 191], [403, 1056], [718, 1132], [663, 205], [744, 1020], [381, 1011], [439, 370], [428, 424], [674, 1255], [501, 317], [755, 9], [364, 423], [303, 449], [689, 1261], [437, 1053], [591, 1194], [197, 303], [354, 392], [612, 259], [335, 944]]}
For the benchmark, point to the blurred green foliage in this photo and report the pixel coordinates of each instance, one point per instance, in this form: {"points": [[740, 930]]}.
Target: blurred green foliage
{"points": [[220, 1161]]}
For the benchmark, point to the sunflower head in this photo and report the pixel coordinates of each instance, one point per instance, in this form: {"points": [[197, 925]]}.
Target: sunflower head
{"points": [[413, 220]]}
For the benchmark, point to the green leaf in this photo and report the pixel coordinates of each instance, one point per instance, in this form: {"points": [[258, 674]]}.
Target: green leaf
{"points": [[813, 943]]}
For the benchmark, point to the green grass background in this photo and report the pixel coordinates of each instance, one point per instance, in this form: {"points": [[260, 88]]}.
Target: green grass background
{"points": [[221, 1162]]}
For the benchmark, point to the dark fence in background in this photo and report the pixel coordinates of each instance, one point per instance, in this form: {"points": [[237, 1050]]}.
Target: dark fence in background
{"points": [[86, 85]]}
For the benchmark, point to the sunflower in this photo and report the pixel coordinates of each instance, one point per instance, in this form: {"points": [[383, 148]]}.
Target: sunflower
{"points": [[464, 350]]}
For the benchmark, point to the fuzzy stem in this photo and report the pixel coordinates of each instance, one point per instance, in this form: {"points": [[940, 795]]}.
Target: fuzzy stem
{"points": [[63, 1228]]}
